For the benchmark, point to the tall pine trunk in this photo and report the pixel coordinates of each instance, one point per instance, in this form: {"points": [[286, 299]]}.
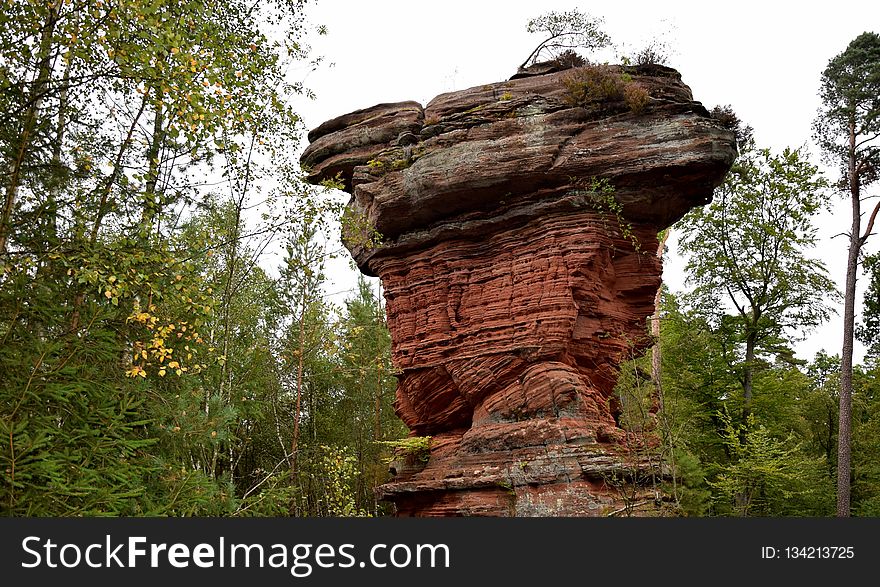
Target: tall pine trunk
{"points": [[844, 427]]}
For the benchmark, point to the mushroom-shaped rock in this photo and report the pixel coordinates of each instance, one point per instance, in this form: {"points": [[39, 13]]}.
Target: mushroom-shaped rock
{"points": [[518, 228]]}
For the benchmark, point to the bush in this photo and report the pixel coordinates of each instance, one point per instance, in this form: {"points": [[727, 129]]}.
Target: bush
{"points": [[601, 83]]}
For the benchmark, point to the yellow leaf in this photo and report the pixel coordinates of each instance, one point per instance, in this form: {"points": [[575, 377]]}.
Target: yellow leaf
{"points": [[108, 294], [161, 372]]}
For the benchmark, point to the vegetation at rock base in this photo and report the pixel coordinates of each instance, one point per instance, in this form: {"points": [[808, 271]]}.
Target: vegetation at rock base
{"points": [[150, 364]]}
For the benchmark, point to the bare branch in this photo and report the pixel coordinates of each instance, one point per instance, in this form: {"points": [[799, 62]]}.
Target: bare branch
{"points": [[870, 227]]}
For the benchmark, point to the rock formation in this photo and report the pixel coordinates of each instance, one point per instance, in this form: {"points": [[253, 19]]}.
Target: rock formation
{"points": [[518, 225]]}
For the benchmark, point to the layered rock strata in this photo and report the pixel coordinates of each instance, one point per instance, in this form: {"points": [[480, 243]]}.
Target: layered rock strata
{"points": [[518, 231]]}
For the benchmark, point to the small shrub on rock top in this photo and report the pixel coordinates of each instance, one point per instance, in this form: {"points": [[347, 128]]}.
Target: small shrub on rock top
{"points": [[656, 52], [568, 59], [635, 96], [597, 83]]}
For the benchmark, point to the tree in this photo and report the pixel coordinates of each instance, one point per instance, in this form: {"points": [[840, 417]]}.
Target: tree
{"points": [[565, 32], [866, 442], [301, 289], [818, 408], [747, 248], [768, 476], [112, 113], [772, 464], [367, 378], [847, 129]]}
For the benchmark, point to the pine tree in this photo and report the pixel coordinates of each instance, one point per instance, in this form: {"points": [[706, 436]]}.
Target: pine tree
{"points": [[848, 128]]}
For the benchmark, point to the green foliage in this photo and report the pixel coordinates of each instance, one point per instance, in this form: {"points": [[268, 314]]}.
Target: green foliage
{"points": [[715, 457], [743, 133], [746, 250], [151, 365], [73, 429], [367, 378], [849, 119], [388, 161], [689, 489], [748, 243], [138, 370], [601, 195], [332, 475], [769, 476], [376, 165], [866, 441], [340, 471], [868, 332], [417, 446]]}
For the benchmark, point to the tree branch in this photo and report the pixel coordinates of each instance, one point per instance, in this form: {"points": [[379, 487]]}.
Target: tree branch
{"points": [[870, 227]]}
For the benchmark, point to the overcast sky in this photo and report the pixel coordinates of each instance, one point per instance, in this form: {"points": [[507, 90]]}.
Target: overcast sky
{"points": [[763, 58]]}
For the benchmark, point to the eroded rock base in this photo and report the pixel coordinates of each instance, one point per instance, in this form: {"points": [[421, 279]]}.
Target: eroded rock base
{"points": [[544, 467], [507, 346]]}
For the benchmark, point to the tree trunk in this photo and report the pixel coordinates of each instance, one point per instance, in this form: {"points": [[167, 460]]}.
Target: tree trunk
{"points": [[377, 404], [51, 238], [151, 205], [299, 382], [44, 72], [656, 352], [377, 407], [844, 426], [749, 372]]}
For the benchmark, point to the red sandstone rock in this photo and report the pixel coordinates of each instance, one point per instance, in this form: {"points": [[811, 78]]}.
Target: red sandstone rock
{"points": [[513, 289]]}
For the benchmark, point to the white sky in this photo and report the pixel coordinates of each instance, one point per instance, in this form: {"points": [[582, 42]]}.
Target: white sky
{"points": [[764, 58]]}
